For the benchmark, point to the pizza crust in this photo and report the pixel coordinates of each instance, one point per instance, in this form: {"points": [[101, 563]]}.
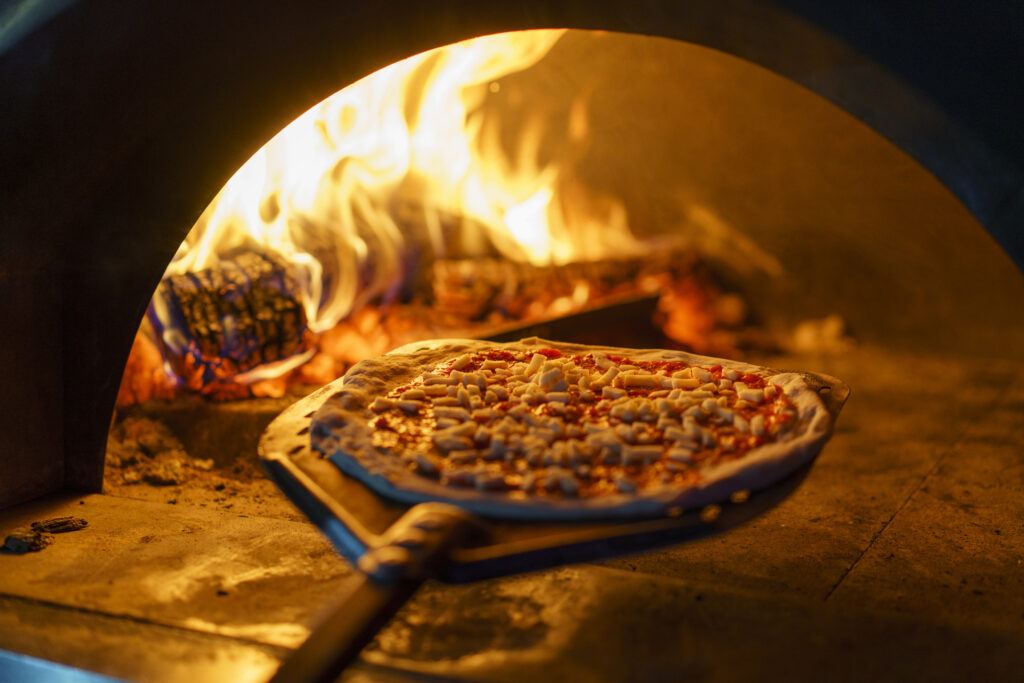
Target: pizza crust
{"points": [[342, 431]]}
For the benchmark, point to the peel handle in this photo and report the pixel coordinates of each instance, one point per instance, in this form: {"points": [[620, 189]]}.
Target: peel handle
{"points": [[350, 626]]}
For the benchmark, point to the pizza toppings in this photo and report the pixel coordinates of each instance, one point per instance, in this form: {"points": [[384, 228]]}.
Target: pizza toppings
{"points": [[549, 430], [546, 424]]}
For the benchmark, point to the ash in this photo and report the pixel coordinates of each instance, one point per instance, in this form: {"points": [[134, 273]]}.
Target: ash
{"points": [[146, 460]]}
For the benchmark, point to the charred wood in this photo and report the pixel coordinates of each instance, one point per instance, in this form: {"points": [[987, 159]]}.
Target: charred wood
{"points": [[219, 322]]}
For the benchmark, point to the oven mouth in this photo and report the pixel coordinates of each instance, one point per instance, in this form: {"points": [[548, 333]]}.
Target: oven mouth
{"points": [[777, 254], [449, 194], [517, 177]]}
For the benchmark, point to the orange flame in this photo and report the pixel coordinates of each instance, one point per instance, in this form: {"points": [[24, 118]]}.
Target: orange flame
{"points": [[321, 194]]}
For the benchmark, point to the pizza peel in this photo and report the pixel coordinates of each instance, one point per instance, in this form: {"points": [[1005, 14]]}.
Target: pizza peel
{"points": [[396, 547]]}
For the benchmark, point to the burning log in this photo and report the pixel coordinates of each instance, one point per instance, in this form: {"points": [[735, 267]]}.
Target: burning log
{"points": [[244, 317], [217, 324], [493, 288]]}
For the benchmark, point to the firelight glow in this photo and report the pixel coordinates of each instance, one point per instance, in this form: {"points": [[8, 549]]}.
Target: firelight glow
{"points": [[323, 193]]}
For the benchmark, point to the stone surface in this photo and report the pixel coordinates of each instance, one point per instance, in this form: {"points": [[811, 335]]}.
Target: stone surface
{"points": [[899, 557], [956, 549], [262, 579], [595, 624], [129, 649]]}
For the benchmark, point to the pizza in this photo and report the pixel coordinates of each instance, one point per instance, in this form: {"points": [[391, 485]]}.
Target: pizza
{"points": [[541, 430]]}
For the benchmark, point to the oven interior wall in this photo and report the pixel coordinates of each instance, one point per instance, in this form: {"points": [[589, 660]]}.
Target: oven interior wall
{"points": [[700, 144]]}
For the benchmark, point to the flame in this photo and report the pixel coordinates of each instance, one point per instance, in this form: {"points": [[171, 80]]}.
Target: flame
{"points": [[322, 194]]}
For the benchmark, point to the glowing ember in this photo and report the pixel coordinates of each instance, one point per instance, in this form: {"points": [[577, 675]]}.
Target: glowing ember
{"points": [[476, 297]]}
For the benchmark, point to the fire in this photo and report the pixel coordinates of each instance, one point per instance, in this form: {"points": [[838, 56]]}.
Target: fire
{"points": [[321, 194], [354, 201]]}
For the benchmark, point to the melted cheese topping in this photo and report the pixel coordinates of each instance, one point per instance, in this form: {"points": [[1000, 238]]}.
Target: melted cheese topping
{"points": [[548, 424]]}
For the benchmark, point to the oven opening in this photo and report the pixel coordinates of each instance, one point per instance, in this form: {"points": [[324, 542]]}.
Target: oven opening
{"points": [[595, 187], [451, 194], [463, 192]]}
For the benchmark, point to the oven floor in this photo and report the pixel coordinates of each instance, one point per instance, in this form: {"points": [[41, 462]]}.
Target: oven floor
{"points": [[900, 556]]}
